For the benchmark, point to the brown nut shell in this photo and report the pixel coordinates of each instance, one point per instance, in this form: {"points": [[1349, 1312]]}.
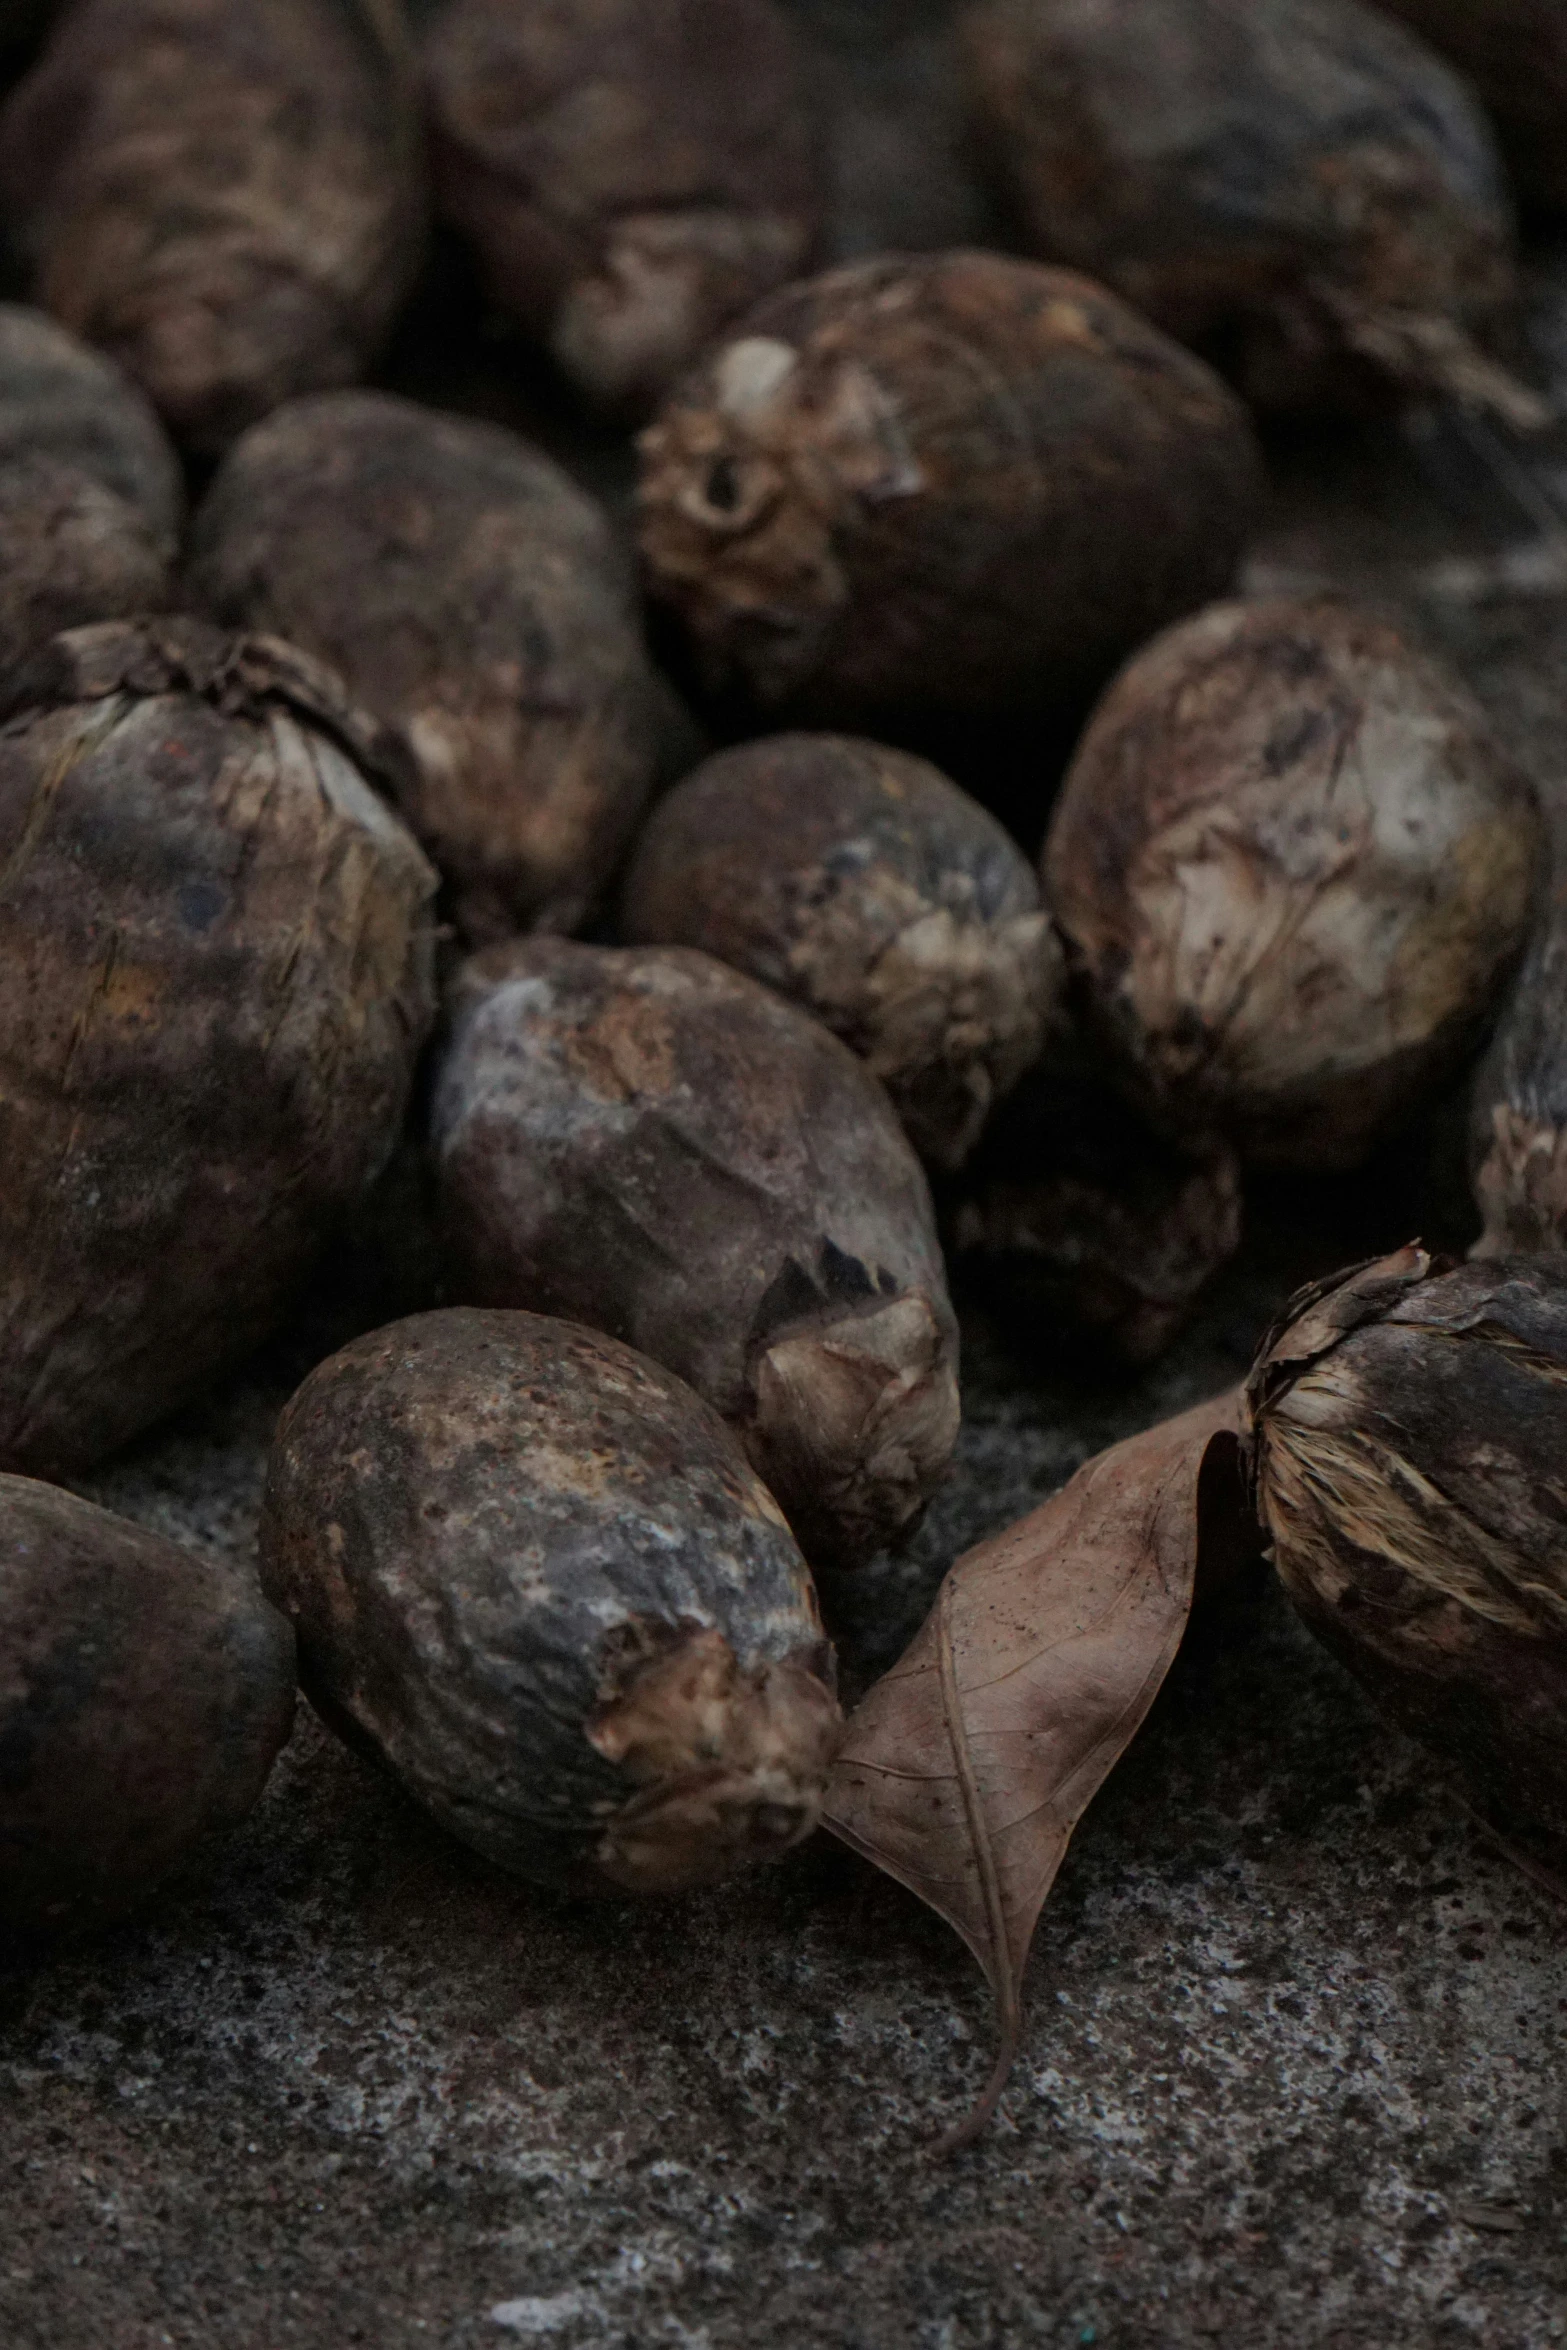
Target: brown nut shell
{"points": [[225, 195], [1294, 871], [924, 487], [535, 1576], [653, 1144], [860, 882], [633, 173], [1408, 1427], [61, 400], [144, 1693], [75, 552], [215, 978], [476, 602], [1297, 186]]}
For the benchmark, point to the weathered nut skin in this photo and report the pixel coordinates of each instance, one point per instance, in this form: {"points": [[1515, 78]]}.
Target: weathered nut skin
{"points": [[225, 195], [144, 1693], [633, 173], [61, 400], [1297, 186], [476, 602], [861, 882], [945, 485], [1294, 872], [1515, 54], [650, 1143], [1082, 1227], [1518, 1110], [215, 978], [74, 552], [536, 1576], [1408, 1428]]}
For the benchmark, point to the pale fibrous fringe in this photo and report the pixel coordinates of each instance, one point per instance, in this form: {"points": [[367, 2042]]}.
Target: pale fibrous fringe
{"points": [[1324, 1489]]}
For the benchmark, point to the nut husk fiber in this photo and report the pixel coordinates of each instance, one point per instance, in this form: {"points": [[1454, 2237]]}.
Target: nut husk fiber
{"points": [[632, 173], [859, 881], [1515, 54], [1293, 870], [225, 195], [1081, 1227], [477, 603], [144, 1693], [1408, 1428], [60, 400], [1299, 187], [215, 977], [535, 1575], [938, 486], [650, 1143]]}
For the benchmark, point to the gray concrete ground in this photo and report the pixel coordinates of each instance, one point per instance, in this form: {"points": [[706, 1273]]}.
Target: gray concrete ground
{"points": [[1296, 2064]]}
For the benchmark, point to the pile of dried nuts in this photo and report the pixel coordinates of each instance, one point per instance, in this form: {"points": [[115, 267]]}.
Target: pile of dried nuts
{"points": [[342, 801]]}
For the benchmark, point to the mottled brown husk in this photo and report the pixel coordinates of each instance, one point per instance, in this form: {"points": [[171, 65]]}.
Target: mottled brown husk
{"points": [[650, 1143], [143, 1695], [224, 194], [1408, 1429], [1515, 54], [535, 1575], [862, 883], [215, 977], [1294, 871], [1296, 185], [1518, 1115], [1081, 1226], [923, 488], [475, 601], [74, 552], [61, 400], [633, 173]]}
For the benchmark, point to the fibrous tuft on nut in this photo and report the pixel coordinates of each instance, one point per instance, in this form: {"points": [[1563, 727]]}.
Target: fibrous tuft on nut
{"points": [[1407, 1431]]}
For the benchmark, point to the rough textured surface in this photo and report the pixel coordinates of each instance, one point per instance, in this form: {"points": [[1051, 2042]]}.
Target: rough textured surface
{"points": [[1294, 185], [537, 1577], [61, 399], [1297, 2055], [633, 173], [477, 602], [862, 884], [916, 488], [223, 194], [75, 551]]}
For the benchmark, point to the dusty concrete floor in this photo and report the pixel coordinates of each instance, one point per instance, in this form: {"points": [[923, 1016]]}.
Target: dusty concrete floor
{"points": [[1296, 2068]]}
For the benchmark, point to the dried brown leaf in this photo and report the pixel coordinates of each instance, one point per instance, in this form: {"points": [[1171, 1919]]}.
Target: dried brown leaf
{"points": [[965, 1770]]}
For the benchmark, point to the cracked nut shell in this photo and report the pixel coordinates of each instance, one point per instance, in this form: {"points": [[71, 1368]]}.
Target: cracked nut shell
{"points": [[535, 1575]]}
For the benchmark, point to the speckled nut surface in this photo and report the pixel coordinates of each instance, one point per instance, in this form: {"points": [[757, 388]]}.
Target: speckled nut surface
{"points": [[863, 884], [1515, 54], [62, 400], [536, 1576], [938, 485], [1294, 871], [75, 551], [648, 1142], [1408, 1432], [633, 173], [223, 194], [1295, 184], [476, 601], [215, 977], [143, 1695], [1082, 1228]]}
